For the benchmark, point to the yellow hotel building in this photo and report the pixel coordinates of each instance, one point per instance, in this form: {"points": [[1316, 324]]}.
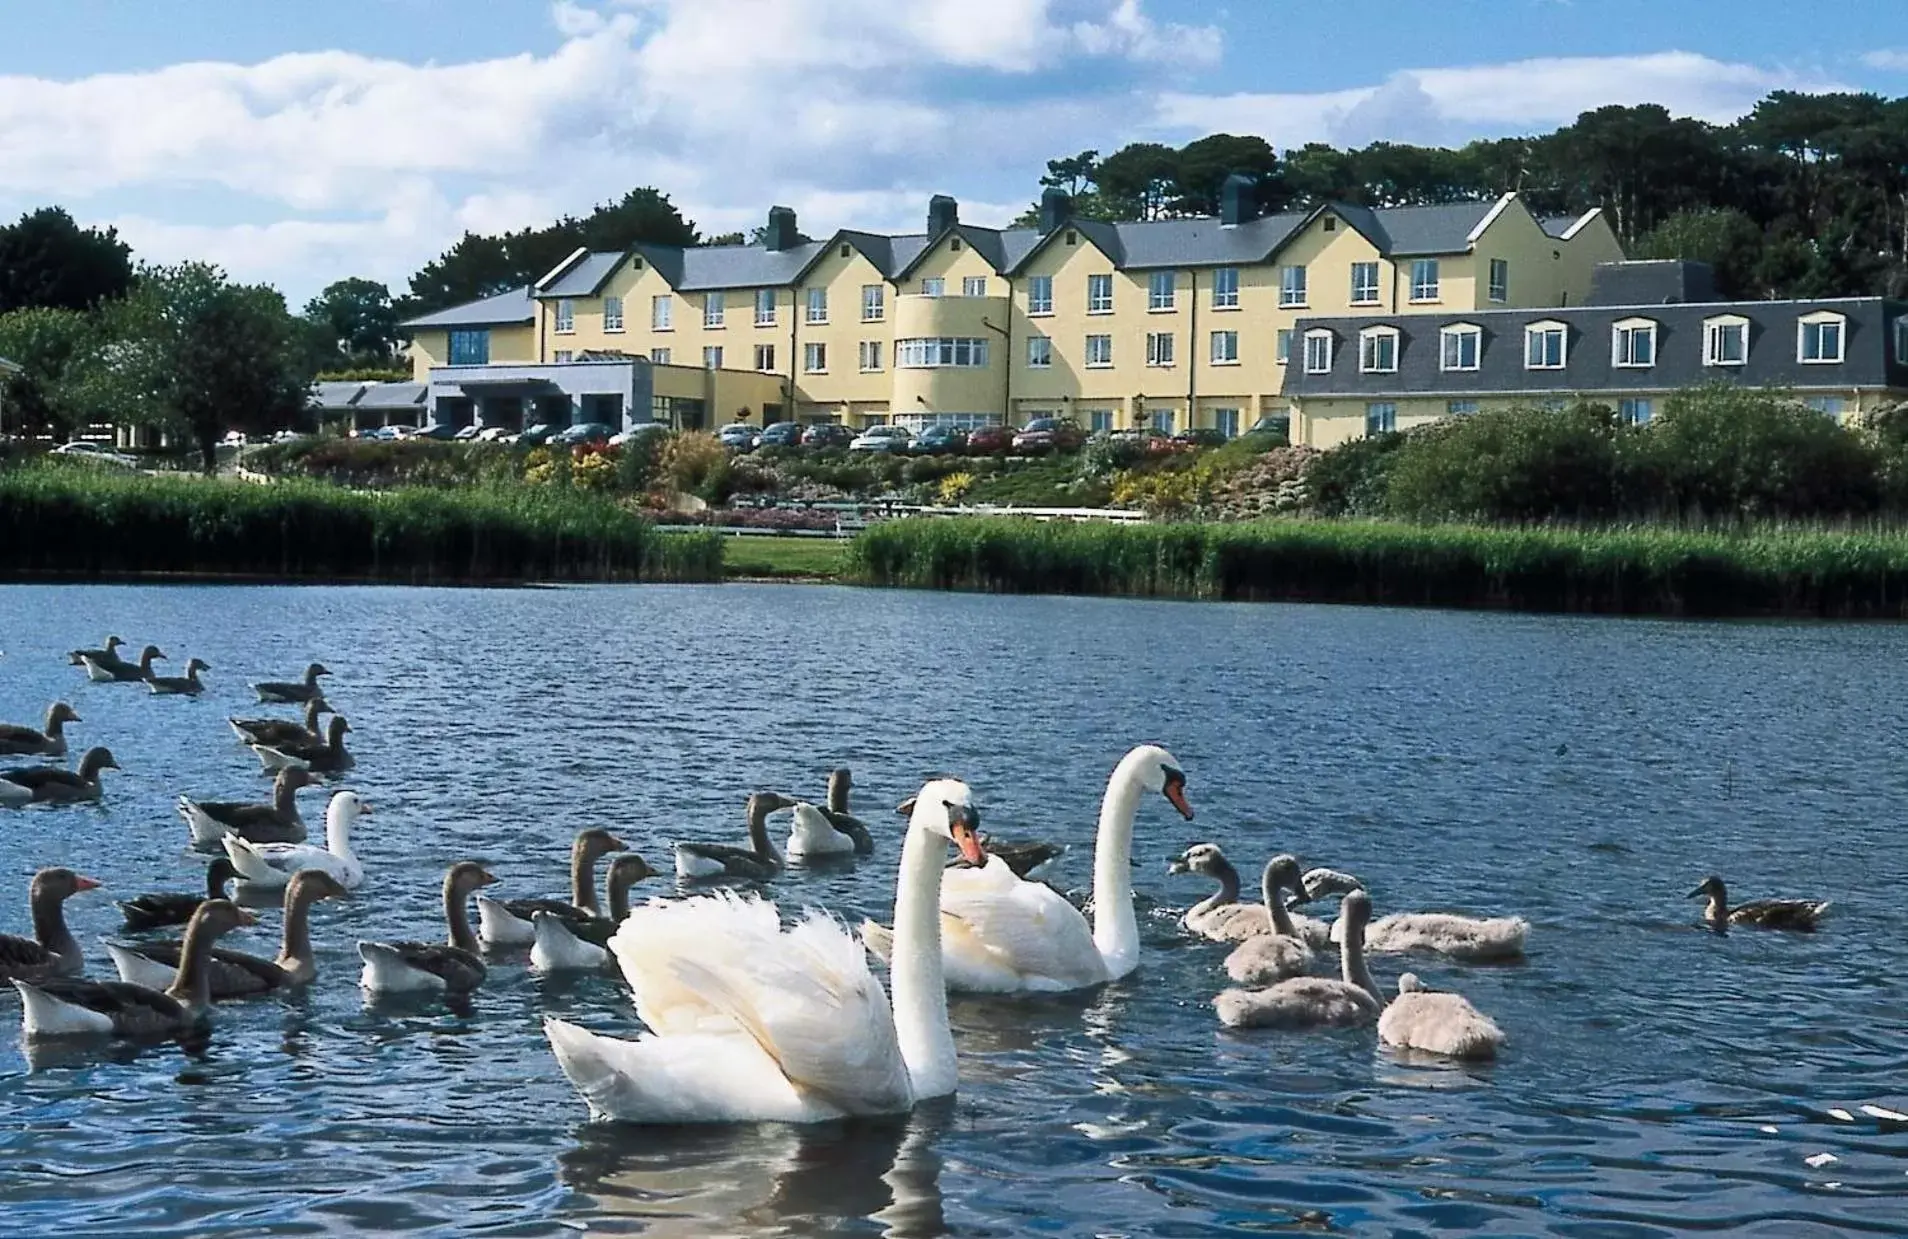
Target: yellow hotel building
{"points": [[1171, 323]]}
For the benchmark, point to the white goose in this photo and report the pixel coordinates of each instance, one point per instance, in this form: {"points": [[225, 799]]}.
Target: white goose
{"points": [[812, 833], [754, 1023], [1005, 935], [268, 866]]}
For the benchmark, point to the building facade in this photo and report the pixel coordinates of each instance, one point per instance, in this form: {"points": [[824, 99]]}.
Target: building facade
{"points": [[1169, 323]]}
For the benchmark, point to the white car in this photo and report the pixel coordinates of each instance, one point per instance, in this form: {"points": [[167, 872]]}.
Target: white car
{"points": [[636, 432], [94, 452], [882, 439]]}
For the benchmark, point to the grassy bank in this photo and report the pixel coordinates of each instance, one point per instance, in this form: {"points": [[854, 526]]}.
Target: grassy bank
{"points": [[89, 522], [802, 559], [1640, 571]]}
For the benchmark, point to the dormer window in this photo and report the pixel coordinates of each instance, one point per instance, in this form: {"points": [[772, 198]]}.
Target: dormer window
{"points": [[1819, 338], [1545, 346], [1378, 350], [1633, 343], [1726, 340], [1318, 351], [1459, 347]]}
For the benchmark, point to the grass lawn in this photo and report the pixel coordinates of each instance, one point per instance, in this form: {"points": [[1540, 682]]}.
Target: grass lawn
{"points": [[783, 557]]}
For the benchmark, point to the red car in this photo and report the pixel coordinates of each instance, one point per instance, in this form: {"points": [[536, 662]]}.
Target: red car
{"points": [[987, 440], [1049, 434]]}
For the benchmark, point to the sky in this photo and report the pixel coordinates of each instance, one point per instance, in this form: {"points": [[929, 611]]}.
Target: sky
{"points": [[297, 144]]}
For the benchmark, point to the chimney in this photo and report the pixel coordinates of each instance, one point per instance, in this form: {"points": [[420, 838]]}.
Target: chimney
{"points": [[1055, 207], [782, 234], [1238, 200], [943, 213]]}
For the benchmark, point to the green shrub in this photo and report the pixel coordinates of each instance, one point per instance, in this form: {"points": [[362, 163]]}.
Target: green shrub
{"points": [[1353, 479], [1511, 465]]}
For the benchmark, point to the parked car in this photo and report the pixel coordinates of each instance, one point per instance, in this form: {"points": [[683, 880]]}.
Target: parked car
{"points": [[77, 450], [233, 438], [781, 434], [1278, 424], [739, 437], [583, 432], [287, 436], [881, 439], [940, 440], [443, 432], [537, 434], [636, 432], [1154, 442], [827, 434], [1049, 434], [987, 440], [1200, 436], [466, 433]]}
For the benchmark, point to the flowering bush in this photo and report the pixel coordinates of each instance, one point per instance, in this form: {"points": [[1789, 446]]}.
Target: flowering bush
{"points": [[953, 486], [698, 464]]}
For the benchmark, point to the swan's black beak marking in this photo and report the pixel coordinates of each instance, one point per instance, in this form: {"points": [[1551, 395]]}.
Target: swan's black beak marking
{"points": [[1176, 792], [963, 822]]}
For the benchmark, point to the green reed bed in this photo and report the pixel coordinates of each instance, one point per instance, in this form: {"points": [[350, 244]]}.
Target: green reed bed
{"points": [[1639, 570], [88, 522]]}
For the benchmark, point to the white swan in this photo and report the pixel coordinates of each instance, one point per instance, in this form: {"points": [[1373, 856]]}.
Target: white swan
{"points": [[270, 865], [1005, 935], [1221, 917], [1319, 883], [1436, 1023], [751, 1022], [1478, 940], [1313, 1002], [810, 833], [1264, 959]]}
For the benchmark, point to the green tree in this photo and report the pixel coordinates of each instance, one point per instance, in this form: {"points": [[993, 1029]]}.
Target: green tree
{"points": [[47, 345], [1317, 173], [48, 260], [1724, 237], [1724, 453], [1138, 181], [360, 319], [1204, 164], [1075, 174]]}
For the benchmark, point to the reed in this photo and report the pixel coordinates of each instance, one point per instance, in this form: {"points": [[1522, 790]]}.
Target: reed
{"points": [[1796, 571], [88, 522]]}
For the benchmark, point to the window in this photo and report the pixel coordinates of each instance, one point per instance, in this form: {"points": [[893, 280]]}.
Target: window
{"points": [[870, 358], [1830, 405], [1364, 290], [1318, 352], [1039, 352], [1458, 348], [1040, 295], [1291, 286], [1159, 348], [1161, 289], [1100, 420], [1099, 294], [1162, 420], [765, 307], [1633, 343], [612, 314], [1819, 339], [765, 357], [1226, 422], [714, 309], [1424, 279], [817, 305], [936, 352], [1901, 339], [1282, 347], [1725, 341], [1381, 418], [661, 311], [561, 356], [1635, 412], [815, 358], [933, 286], [1099, 351], [658, 356], [1458, 408], [1544, 346], [1225, 348], [874, 302], [565, 316], [1378, 351], [712, 357], [974, 286], [1500, 279], [1225, 288], [470, 347]]}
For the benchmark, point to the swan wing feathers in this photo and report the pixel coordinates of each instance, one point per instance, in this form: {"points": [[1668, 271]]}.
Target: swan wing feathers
{"points": [[699, 1078], [1026, 926], [1435, 1023], [1461, 937], [1302, 1002], [1265, 958]]}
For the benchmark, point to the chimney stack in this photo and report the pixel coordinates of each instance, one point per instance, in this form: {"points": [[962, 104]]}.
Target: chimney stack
{"points": [[782, 233], [1055, 207], [943, 214], [1238, 200]]}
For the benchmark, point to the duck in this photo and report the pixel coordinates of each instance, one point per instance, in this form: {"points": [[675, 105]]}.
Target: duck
{"points": [[56, 785], [411, 967], [292, 692], [327, 757], [753, 1022], [757, 863], [163, 909], [1473, 939], [1314, 1002], [1266, 959], [187, 685], [569, 944], [105, 654], [277, 822], [17, 740], [273, 732], [1801, 915], [268, 866], [118, 670], [1435, 1023], [507, 922], [1007, 935], [70, 1006], [237, 974], [52, 951], [1221, 917]]}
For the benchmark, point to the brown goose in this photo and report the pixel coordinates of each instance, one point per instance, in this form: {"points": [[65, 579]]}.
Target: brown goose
{"points": [[55, 785], [324, 758], [841, 781], [117, 669], [412, 967], [277, 822], [758, 862], [276, 731], [52, 950], [163, 909], [109, 653], [566, 943], [237, 974], [507, 922], [70, 1007], [292, 692], [187, 685], [50, 741], [1802, 915]]}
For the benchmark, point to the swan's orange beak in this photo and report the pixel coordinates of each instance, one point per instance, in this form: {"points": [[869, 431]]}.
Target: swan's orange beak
{"points": [[963, 823], [1176, 792]]}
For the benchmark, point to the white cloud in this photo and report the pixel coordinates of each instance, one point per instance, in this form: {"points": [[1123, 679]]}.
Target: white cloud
{"points": [[1894, 59]]}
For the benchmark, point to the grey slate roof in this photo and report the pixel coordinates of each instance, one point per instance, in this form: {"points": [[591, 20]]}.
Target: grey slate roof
{"points": [[334, 395], [1420, 230], [503, 309], [1869, 359], [583, 277], [1557, 225], [391, 396], [713, 268]]}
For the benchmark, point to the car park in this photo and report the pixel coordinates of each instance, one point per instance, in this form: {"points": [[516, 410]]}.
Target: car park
{"points": [[1200, 436], [987, 440], [1048, 434], [827, 434], [636, 432], [882, 439], [780, 434], [583, 432], [940, 440], [739, 437]]}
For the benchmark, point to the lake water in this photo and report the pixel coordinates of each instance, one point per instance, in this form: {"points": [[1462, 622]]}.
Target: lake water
{"points": [[1585, 773]]}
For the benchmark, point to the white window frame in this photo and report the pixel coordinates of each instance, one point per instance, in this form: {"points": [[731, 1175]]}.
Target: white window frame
{"points": [[660, 356], [1624, 334], [612, 314], [934, 286], [815, 357], [1426, 280], [1713, 329], [874, 303], [1100, 294], [869, 357], [1039, 352], [1099, 419], [1370, 294], [1630, 406], [712, 357], [1545, 328], [1162, 291], [1098, 351], [973, 286], [715, 311], [1370, 343], [1319, 348], [1292, 291], [765, 359], [1460, 408], [1224, 348], [1384, 410], [1225, 288], [565, 316], [1818, 320], [1455, 334], [662, 313], [1225, 420], [1039, 295], [765, 307], [1282, 345], [562, 356], [816, 300], [1500, 280], [1160, 351]]}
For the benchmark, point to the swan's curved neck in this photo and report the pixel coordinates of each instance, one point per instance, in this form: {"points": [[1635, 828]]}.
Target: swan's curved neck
{"points": [[338, 834], [1115, 931], [914, 971], [457, 916], [1228, 891], [1351, 961], [583, 878], [1275, 907]]}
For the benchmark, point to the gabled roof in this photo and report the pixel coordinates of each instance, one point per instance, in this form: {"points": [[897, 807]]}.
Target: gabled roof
{"points": [[390, 396], [582, 274], [1423, 230], [1003, 249], [503, 309]]}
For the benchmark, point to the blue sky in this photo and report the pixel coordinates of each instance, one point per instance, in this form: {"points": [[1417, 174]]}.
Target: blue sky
{"points": [[299, 143]]}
